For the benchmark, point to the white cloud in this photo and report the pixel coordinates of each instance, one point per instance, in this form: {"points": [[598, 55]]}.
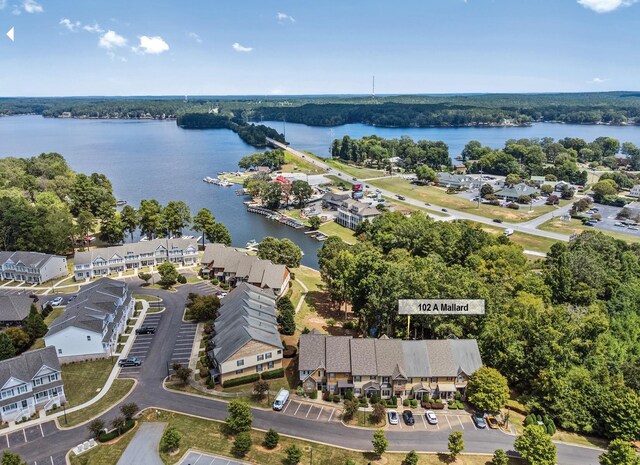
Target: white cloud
{"points": [[151, 45], [605, 6], [241, 48], [283, 18], [195, 37], [597, 80], [31, 6], [115, 57], [3, 4], [95, 28], [111, 40], [70, 25], [16, 10]]}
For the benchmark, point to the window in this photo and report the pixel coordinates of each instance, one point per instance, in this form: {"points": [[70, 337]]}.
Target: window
{"points": [[240, 363], [357, 391], [10, 407], [22, 389], [53, 377], [59, 351], [321, 373], [260, 357], [434, 380], [424, 379], [238, 372], [356, 379], [385, 379], [268, 355], [258, 368], [279, 351], [88, 338], [7, 393], [37, 381], [270, 365], [332, 376], [386, 393], [372, 378]]}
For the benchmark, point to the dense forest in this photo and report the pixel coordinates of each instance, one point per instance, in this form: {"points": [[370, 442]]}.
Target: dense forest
{"points": [[252, 134], [565, 331], [389, 111]]}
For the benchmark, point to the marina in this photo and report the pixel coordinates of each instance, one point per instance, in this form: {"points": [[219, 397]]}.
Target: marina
{"points": [[217, 181]]}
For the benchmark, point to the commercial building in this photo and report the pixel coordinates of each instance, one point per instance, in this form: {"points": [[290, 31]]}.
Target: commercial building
{"points": [[113, 260], [28, 383], [387, 367], [245, 338], [352, 212], [234, 267], [457, 181], [32, 267], [91, 324], [512, 193]]}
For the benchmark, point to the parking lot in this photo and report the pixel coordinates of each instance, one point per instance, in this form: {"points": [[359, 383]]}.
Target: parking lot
{"points": [[184, 344], [609, 221], [33, 433], [446, 421], [310, 411], [198, 458], [141, 344]]}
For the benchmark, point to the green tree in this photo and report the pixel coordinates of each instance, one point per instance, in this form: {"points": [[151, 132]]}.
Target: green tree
{"points": [[150, 218], [204, 307], [350, 409], [168, 274], [170, 440], [85, 222], [287, 322], [182, 373], [240, 417], [499, 457], [271, 439], [175, 217], [111, 228], [293, 454], [535, 446], [272, 195], [487, 390], [411, 458], [485, 190], [426, 174], [118, 423], [301, 191], [380, 442], [619, 452], [10, 458], [455, 444], [314, 222], [621, 415], [242, 444], [34, 325], [19, 339], [546, 189], [604, 188], [203, 221], [145, 276], [6, 347], [96, 427], [129, 410], [260, 389], [283, 252], [129, 218], [218, 233]]}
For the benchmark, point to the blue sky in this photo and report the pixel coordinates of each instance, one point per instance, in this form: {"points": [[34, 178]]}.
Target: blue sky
{"points": [[218, 47]]}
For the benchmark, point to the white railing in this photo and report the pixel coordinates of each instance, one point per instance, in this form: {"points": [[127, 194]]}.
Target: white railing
{"points": [[24, 413], [56, 400]]}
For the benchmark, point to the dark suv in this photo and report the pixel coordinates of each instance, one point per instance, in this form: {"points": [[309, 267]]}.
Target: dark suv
{"points": [[130, 362], [146, 330]]}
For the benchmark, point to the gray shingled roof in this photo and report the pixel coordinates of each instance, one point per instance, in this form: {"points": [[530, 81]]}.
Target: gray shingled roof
{"points": [[90, 310], [363, 358], [14, 307], [337, 354], [27, 365], [134, 248], [388, 355], [416, 359], [312, 351], [31, 259], [246, 314], [517, 190]]}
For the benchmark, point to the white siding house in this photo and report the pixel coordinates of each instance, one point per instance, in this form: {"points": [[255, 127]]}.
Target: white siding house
{"points": [[32, 267], [635, 191]]}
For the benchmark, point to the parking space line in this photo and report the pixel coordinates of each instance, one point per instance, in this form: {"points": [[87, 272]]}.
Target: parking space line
{"points": [[8, 445], [331, 416], [424, 421], [286, 407], [51, 457], [400, 423], [474, 424], [308, 411], [41, 431], [447, 417], [458, 416], [24, 432], [296, 412], [319, 413]]}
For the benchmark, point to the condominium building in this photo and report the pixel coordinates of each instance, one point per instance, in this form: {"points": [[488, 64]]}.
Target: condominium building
{"points": [[352, 212], [387, 367], [113, 260], [32, 267]]}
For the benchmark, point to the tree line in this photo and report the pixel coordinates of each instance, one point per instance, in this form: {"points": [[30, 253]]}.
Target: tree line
{"points": [[564, 332]]}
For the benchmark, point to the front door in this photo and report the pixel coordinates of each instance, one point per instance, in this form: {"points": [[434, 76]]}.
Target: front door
{"points": [[24, 404]]}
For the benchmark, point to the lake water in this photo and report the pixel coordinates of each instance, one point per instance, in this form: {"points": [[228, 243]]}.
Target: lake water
{"points": [[156, 159]]}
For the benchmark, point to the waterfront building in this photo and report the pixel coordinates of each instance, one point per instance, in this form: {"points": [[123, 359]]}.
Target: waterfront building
{"points": [[32, 267]]}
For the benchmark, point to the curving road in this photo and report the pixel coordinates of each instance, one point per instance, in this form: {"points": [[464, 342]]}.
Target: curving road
{"points": [[53, 444]]}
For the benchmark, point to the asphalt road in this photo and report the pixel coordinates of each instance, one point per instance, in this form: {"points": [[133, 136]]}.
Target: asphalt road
{"points": [[149, 393], [143, 448]]}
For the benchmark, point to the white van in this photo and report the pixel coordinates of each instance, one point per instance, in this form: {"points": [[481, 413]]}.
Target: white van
{"points": [[508, 232], [281, 399]]}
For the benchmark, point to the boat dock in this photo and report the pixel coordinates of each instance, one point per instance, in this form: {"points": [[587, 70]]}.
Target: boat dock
{"points": [[275, 216]]}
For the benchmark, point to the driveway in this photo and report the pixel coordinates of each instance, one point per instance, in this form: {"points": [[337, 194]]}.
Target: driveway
{"points": [[143, 448]]}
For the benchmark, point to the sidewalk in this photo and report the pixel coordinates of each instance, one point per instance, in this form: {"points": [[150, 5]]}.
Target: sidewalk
{"points": [[112, 376]]}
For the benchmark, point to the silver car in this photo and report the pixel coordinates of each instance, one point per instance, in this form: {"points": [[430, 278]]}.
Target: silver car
{"points": [[431, 417], [393, 417]]}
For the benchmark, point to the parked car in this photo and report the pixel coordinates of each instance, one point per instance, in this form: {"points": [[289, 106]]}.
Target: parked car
{"points": [[221, 294], [492, 422], [407, 416], [478, 419], [393, 417], [444, 210], [620, 225], [34, 297], [281, 399], [378, 191], [497, 220], [146, 330], [130, 362], [400, 197], [72, 298], [589, 223], [355, 179], [431, 417], [57, 301]]}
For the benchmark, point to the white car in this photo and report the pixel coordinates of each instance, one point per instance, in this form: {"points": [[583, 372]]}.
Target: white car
{"points": [[55, 302], [620, 225], [393, 417], [431, 417]]}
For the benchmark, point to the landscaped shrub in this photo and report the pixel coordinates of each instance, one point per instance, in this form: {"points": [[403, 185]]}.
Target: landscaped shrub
{"points": [[273, 374], [314, 394], [452, 406], [405, 402], [414, 403], [393, 400], [336, 399], [363, 401], [513, 206], [105, 437], [349, 325], [529, 420], [348, 395], [182, 279], [241, 380], [437, 405], [271, 439], [330, 398], [224, 286], [215, 281], [374, 398], [457, 396]]}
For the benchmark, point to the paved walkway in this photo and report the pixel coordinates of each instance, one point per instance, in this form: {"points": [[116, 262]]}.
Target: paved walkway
{"points": [[143, 448]]}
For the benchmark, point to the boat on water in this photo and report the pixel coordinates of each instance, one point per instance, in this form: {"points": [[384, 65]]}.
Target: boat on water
{"points": [[208, 179], [121, 202], [252, 243]]}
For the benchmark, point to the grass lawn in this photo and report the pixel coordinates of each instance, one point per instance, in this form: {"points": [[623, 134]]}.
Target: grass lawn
{"points": [[207, 436], [155, 310], [576, 226], [360, 173], [334, 229], [116, 393], [83, 380], [304, 166], [527, 241], [340, 180], [105, 454], [438, 196], [56, 312], [148, 298]]}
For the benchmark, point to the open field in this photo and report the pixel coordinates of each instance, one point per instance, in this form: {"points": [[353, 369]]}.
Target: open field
{"points": [[355, 171], [438, 196], [303, 166], [208, 436], [116, 393], [84, 380]]}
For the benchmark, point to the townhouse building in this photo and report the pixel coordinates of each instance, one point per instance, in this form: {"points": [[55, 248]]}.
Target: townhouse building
{"points": [[234, 267], [245, 337], [118, 259], [32, 267], [91, 325], [635, 191], [14, 309], [30, 382], [387, 367]]}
